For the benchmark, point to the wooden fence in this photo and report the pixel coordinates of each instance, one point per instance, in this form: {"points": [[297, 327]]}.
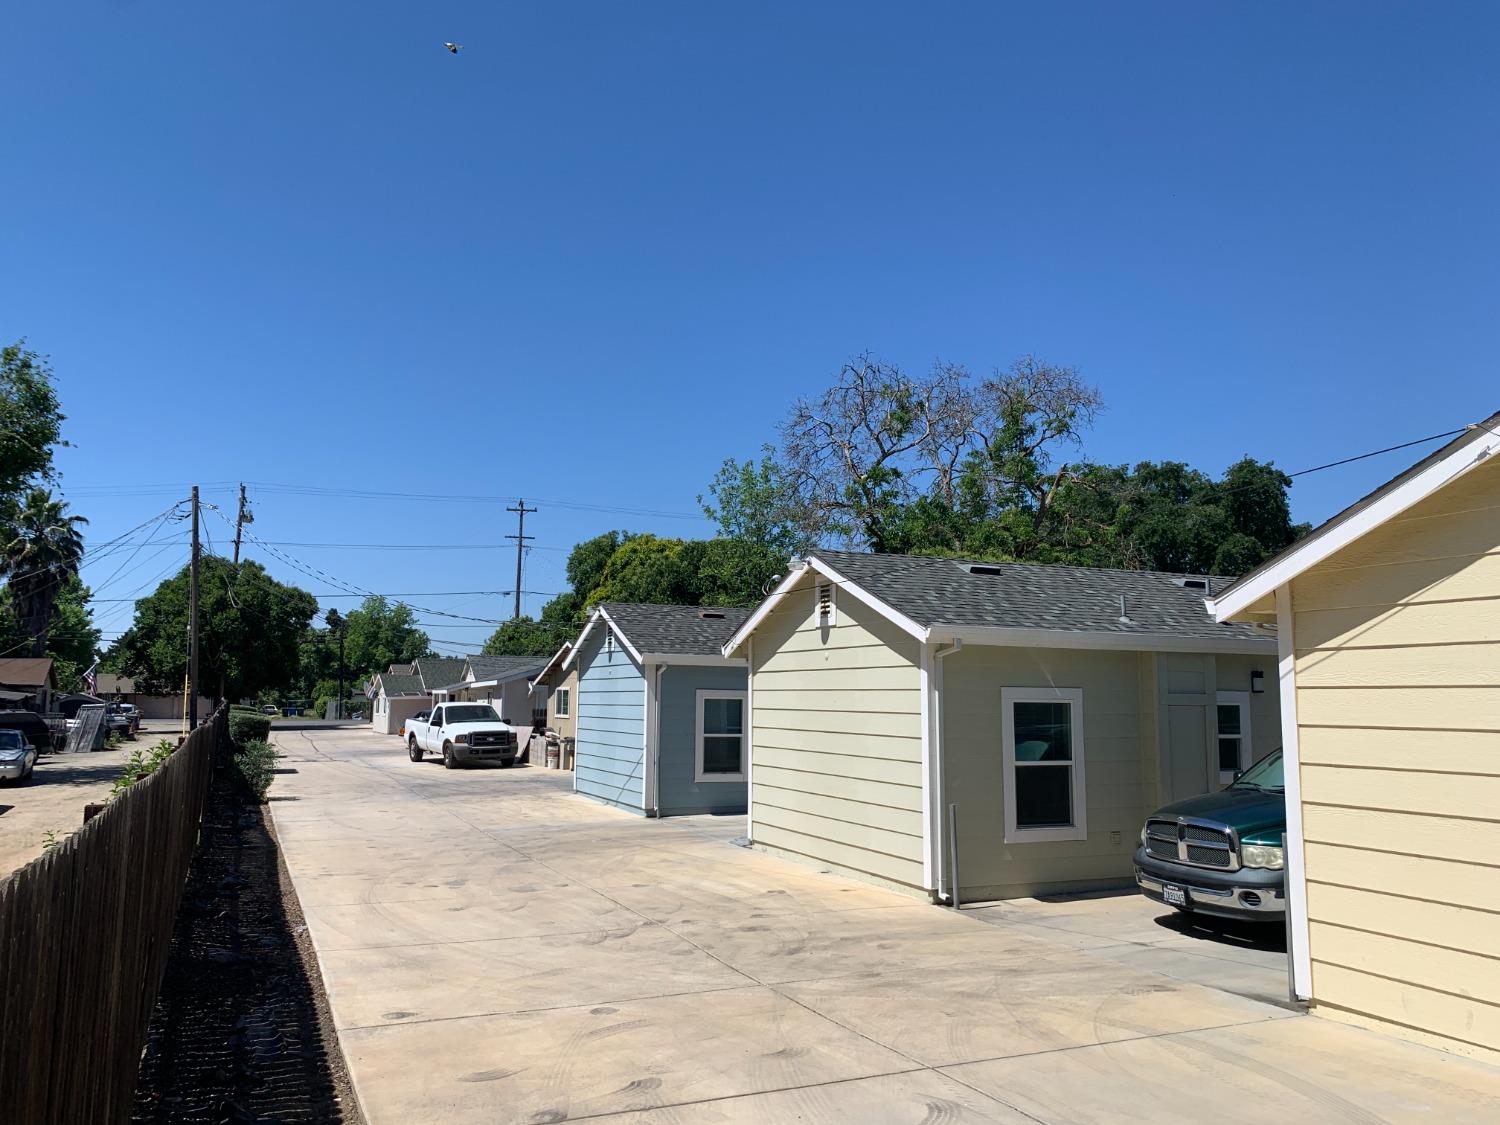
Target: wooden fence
{"points": [[84, 935]]}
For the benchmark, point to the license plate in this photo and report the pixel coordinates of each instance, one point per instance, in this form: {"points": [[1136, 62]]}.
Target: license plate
{"points": [[1173, 896]]}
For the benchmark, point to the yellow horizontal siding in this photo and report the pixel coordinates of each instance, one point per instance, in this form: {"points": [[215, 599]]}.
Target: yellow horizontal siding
{"points": [[857, 813], [1382, 830], [1413, 666], [1428, 966], [1471, 619], [1462, 884], [1465, 1021], [1431, 708], [1436, 751], [1435, 794], [836, 744], [1435, 923], [882, 793], [1438, 579], [822, 762]]}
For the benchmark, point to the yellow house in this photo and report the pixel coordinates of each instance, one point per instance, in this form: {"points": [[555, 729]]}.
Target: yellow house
{"points": [[1388, 619], [974, 731]]}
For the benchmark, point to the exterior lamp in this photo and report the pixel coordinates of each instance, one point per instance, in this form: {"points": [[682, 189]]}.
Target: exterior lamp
{"points": [[1258, 683]]}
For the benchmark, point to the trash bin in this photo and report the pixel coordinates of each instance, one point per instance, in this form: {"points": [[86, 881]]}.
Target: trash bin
{"points": [[567, 753], [554, 754]]}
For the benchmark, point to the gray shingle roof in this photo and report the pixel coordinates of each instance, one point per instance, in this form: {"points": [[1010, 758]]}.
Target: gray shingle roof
{"points": [[943, 592], [676, 630], [395, 684], [439, 671], [506, 667]]}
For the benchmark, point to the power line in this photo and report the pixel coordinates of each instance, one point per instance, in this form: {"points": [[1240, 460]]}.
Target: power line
{"points": [[1378, 452]]}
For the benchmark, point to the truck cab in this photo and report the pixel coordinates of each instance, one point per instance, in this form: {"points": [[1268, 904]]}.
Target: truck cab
{"points": [[1221, 854], [462, 733]]}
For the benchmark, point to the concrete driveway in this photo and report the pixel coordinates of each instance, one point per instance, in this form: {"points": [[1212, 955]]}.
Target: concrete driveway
{"points": [[496, 949]]}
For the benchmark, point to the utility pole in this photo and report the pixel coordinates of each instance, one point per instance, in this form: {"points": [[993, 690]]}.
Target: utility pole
{"points": [[240, 521], [193, 622], [338, 625], [520, 537]]}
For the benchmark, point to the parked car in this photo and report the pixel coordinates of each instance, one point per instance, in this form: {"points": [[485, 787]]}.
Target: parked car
{"points": [[462, 733], [35, 728], [268, 709], [17, 756], [1220, 854]]}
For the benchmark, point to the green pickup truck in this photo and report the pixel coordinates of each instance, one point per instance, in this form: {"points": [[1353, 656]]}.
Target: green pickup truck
{"points": [[1220, 854]]}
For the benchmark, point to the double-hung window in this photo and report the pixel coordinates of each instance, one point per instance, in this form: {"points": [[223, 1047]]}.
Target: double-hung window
{"points": [[563, 702], [1042, 733], [1233, 730], [721, 736]]}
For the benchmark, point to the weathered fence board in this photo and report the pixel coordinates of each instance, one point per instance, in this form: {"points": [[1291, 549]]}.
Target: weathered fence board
{"points": [[84, 935]]}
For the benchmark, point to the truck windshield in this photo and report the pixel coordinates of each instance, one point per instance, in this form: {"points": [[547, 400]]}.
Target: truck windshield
{"points": [[1265, 774], [471, 713]]}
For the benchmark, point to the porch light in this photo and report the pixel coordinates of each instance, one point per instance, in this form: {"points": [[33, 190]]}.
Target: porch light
{"points": [[1258, 683]]}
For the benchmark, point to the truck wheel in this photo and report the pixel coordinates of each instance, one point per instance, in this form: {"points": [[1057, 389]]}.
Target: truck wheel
{"points": [[413, 751], [449, 761]]}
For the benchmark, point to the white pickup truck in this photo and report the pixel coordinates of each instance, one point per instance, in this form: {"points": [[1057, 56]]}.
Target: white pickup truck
{"points": [[462, 733]]}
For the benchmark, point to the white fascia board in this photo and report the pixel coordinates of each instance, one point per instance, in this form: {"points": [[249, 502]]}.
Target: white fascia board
{"points": [[472, 684], [1318, 547], [1004, 636], [694, 660], [620, 636], [567, 647], [772, 600], [583, 636]]}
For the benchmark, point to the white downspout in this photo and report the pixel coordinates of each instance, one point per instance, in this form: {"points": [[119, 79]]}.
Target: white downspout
{"points": [[943, 843], [653, 748], [750, 739]]}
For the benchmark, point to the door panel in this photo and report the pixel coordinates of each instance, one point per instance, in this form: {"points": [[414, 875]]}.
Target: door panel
{"points": [[1187, 751]]}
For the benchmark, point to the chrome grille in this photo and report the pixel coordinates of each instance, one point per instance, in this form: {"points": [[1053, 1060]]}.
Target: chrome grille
{"points": [[1162, 849], [1208, 857], [1198, 834]]}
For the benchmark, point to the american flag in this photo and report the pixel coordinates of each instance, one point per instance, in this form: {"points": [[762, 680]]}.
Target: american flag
{"points": [[91, 678]]}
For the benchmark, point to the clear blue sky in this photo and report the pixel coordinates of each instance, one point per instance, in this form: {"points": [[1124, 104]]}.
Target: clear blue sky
{"points": [[605, 247]]}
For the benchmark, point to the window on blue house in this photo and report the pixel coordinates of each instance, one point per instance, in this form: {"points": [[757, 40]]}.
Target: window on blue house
{"points": [[721, 736]]}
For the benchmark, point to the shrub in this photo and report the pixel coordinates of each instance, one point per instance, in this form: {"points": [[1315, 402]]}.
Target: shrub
{"points": [[245, 728], [254, 765], [143, 763]]}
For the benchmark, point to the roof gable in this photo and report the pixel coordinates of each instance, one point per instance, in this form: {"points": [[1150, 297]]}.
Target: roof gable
{"points": [[674, 630], [502, 668], [436, 672]]}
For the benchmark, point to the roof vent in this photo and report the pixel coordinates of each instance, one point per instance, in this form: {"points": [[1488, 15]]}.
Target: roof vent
{"points": [[1192, 583], [711, 614], [979, 568]]}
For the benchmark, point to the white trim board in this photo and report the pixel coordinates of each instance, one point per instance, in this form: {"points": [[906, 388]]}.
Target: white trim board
{"points": [[1291, 767], [1323, 542], [699, 734], [1078, 791]]}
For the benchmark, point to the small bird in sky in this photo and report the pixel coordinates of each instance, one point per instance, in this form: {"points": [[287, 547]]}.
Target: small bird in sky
{"points": [[454, 48]]}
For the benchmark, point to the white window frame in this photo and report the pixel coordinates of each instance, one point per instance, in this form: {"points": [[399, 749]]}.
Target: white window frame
{"points": [[1078, 830], [1240, 699], [562, 699], [705, 694]]}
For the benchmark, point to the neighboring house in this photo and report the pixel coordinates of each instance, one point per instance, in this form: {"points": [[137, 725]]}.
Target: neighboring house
{"points": [[559, 687], [123, 689], [396, 698], [402, 670], [1050, 708], [27, 683], [438, 672], [504, 682], [660, 710], [1389, 622]]}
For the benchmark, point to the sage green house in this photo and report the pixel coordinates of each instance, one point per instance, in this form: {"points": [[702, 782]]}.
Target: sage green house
{"points": [[986, 730]]}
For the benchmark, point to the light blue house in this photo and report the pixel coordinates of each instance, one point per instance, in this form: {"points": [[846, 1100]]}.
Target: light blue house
{"points": [[661, 711]]}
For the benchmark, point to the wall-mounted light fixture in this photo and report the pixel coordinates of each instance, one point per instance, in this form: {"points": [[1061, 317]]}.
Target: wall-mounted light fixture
{"points": [[1258, 683]]}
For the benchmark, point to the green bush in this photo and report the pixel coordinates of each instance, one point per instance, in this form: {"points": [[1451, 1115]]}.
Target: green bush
{"points": [[143, 763], [254, 765], [246, 727]]}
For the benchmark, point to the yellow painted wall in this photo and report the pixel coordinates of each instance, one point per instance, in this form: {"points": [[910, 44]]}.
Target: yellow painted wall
{"points": [[1398, 695], [837, 741]]}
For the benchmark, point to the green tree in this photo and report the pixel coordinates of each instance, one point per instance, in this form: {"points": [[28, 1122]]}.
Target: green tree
{"points": [[758, 502], [525, 636], [30, 419], [41, 549], [647, 568], [250, 630], [72, 639]]}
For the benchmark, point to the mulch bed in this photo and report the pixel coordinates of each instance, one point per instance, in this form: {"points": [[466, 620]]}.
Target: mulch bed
{"points": [[241, 1031]]}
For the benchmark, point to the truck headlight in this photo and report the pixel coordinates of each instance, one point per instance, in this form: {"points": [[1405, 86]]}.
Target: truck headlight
{"points": [[1143, 835], [1262, 855], [11, 755], [461, 739]]}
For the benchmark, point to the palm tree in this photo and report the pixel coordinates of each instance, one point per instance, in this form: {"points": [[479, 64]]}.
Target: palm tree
{"points": [[41, 547]]}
